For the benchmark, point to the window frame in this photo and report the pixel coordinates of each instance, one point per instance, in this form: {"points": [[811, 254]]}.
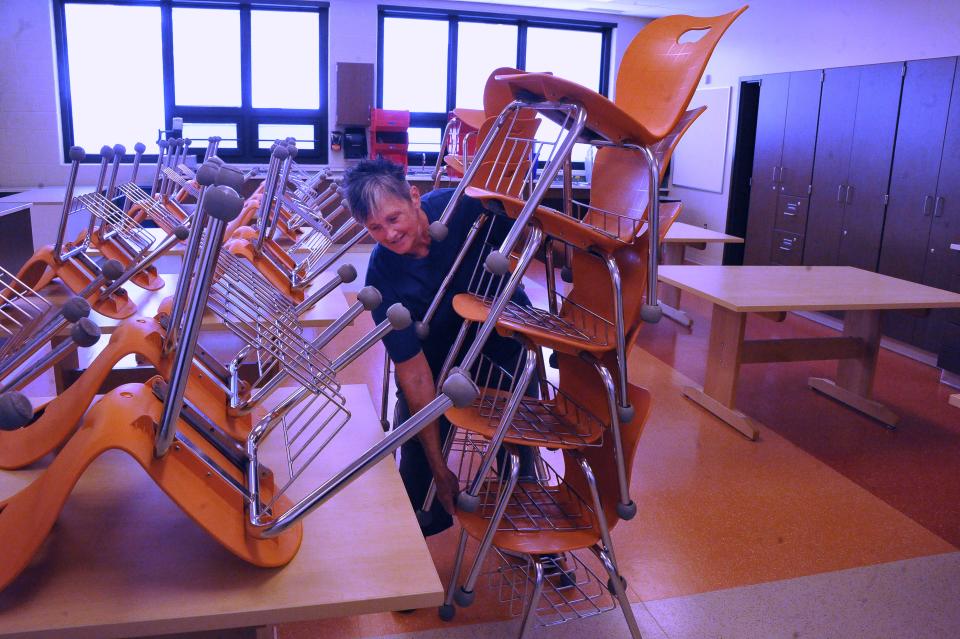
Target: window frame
{"points": [[454, 18], [246, 117]]}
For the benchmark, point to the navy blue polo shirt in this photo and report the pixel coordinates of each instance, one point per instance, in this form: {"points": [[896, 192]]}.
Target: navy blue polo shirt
{"points": [[415, 281]]}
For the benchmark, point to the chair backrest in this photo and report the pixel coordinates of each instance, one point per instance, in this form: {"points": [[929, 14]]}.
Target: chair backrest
{"points": [[581, 380], [506, 166], [497, 94], [620, 184], [620, 180], [591, 279], [658, 73]]}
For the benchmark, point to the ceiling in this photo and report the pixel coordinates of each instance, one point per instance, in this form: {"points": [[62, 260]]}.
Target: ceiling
{"points": [[636, 8]]}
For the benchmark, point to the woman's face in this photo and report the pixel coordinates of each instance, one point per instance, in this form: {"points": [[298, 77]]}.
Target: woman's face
{"points": [[396, 223]]}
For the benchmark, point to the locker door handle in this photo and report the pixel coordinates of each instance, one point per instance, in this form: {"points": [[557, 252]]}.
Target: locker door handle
{"points": [[927, 201], [848, 198], [780, 178], [773, 177], [938, 209], [840, 194]]}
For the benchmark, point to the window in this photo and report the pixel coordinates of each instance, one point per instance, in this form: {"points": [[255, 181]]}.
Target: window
{"points": [[247, 72], [431, 61]]}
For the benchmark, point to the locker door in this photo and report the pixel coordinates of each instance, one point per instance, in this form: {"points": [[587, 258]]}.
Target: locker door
{"points": [[870, 159], [766, 161], [838, 106]]}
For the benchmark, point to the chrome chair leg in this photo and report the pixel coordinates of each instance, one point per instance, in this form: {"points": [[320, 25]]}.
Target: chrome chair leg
{"points": [[626, 507], [625, 411], [618, 587], [447, 610], [530, 606], [465, 595]]}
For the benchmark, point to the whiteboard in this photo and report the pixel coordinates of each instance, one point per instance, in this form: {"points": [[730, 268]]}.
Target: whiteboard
{"points": [[700, 155]]}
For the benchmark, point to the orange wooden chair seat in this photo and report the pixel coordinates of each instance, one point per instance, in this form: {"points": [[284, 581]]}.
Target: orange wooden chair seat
{"points": [[577, 330], [42, 268], [530, 505], [605, 120], [542, 519], [56, 421], [473, 118], [600, 229]]}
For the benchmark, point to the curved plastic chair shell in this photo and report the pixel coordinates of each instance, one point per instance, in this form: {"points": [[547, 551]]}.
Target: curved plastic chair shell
{"points": [[124, 420]]}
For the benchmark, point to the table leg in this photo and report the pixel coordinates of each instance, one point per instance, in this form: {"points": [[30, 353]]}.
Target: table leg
{"points": [[855, 376], [719, 391], [266, 632], [670, 295]]}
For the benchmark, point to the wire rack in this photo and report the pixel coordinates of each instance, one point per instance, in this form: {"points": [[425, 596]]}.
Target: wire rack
{"points": [[154, 209], [301, 213], [509, 165], [554, 421], [181, 181], [22, 311], [301, 432], [137, 239], [572, 588], [265, 321], [572, 320], [541, 501], [622, 227]]}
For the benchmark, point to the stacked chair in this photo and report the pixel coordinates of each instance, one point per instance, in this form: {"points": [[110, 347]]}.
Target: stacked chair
{"points": [[466, 128], [593, 414], [296, 237], [202, 442], [245, 481]]}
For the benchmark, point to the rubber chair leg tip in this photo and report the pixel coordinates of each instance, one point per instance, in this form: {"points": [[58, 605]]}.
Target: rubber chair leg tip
{"points": [[610, 587], [464, 598], [467, 502], [446, 612], [424, 518], [627, 511]]}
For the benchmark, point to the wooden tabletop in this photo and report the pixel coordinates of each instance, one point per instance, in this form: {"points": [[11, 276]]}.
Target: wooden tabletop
{"points": [[45, 195], [680, 233], [148, 302], [748, 289], [6, 208], [123, 561]]}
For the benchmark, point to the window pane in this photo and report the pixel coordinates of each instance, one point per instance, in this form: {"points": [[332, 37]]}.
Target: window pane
{"points": [[101, 106], [481, 48], [572, 55], [194, 84], [285, 59], [268, 133], [549, 131], [415, 65], [201, 131], [424, 139]]}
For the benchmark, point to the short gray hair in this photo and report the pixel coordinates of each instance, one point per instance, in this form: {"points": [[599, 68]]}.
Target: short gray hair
{"points": [[369, 181]]}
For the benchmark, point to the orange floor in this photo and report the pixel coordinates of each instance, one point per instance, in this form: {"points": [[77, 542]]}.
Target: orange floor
{"points": [[824, 489]]}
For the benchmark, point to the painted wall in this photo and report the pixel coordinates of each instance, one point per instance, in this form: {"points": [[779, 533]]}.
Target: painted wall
{"points": [[30, 138], [786, 35]]}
